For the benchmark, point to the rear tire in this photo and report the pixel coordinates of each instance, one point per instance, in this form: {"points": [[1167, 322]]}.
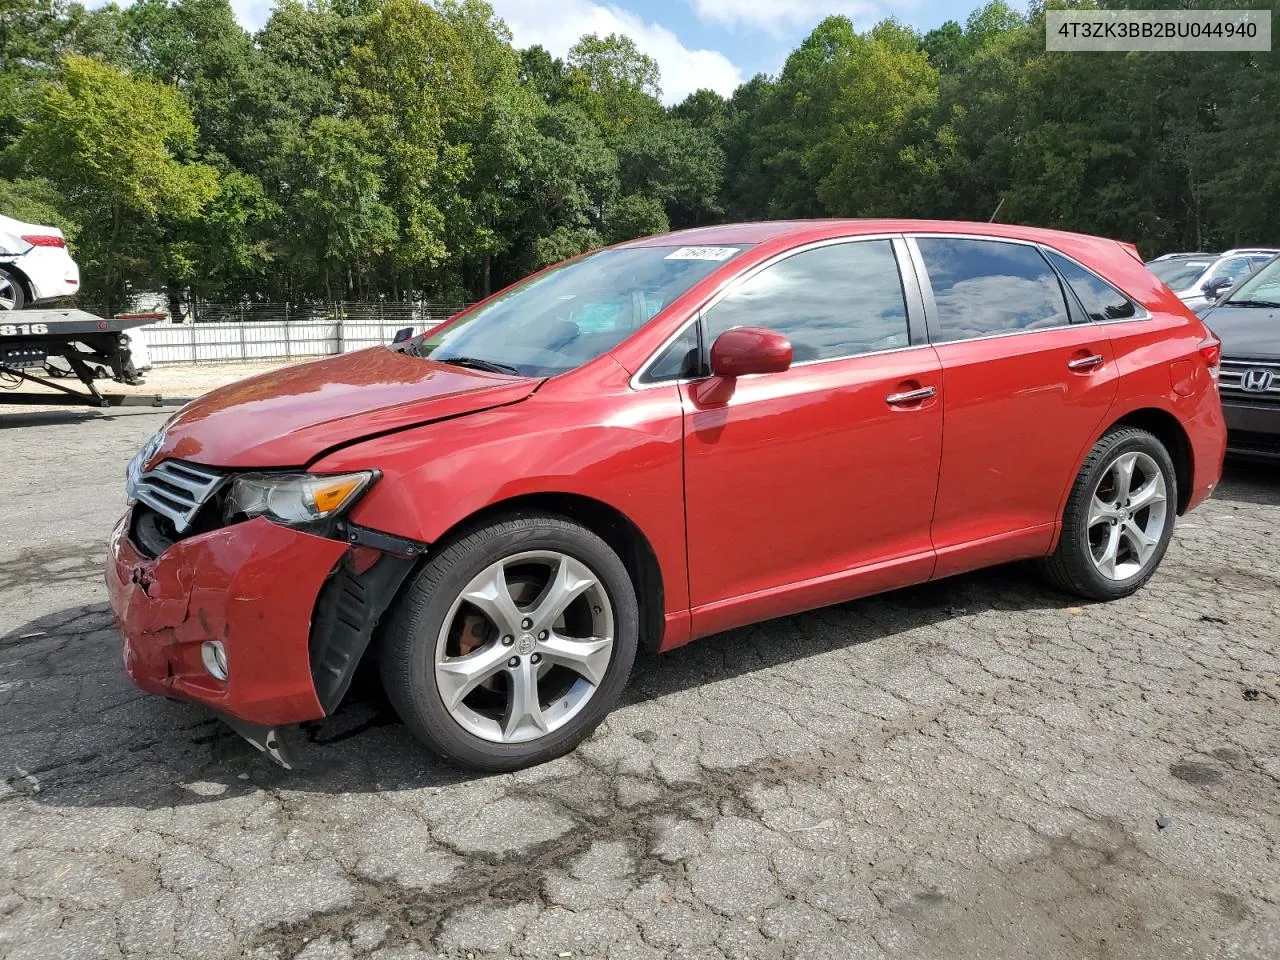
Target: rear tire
{"points": [[13, 295], [1119, 517], [497, 687]]}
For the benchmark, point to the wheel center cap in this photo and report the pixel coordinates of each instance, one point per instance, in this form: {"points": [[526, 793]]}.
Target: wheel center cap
{"points": [[525, 643]]}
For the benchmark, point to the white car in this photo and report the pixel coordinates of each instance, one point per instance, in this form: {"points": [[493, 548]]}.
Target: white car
{"points": [[34, 265], [1199, 279]]}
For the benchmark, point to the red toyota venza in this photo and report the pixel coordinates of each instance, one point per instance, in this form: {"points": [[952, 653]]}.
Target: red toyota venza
{"points": [[652, 443]]}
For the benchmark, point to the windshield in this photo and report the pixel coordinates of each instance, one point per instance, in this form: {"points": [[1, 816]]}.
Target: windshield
{"points": [[564, 317], [1262, 288], [1179, 274]]}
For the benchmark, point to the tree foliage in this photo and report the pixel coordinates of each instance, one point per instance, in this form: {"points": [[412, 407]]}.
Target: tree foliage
{"points": [[354, 148]]}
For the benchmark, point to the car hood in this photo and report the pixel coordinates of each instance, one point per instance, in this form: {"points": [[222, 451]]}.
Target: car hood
{"points": [[1251, 333], [289, 417]]}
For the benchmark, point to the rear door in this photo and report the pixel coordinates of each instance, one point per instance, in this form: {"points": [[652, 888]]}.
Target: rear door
{"points": [[815, 484], [1027, 379]]}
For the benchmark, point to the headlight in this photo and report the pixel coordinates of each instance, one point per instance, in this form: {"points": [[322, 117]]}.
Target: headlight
{"points": [[294, 498], [133, 473]]}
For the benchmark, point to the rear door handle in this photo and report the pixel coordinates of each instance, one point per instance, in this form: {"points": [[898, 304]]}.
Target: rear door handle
{"points": [[1086, 363], [911, 396]]}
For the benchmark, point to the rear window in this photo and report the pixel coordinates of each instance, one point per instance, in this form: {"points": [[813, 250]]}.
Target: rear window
{"points": [[1179, 274], [1101, 300], [984, 288]]}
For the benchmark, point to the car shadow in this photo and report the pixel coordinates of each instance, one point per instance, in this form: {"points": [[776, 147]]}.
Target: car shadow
{"points": [[75, 732], [40, 418], [1250, 481]]}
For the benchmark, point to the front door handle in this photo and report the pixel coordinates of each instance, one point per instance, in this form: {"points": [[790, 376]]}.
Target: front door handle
{"points": [[911, 396], [1086, 363]]}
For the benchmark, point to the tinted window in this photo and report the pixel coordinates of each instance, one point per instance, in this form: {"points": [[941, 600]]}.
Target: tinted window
{"points": [[1179, 274], [833, 301], [985, 287], [679, 361], [1101, 300], [1234, 269]]}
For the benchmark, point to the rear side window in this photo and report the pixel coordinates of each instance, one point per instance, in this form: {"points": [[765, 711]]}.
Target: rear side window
{"points": [[840, 300], [1101, 300], [987, 287]]}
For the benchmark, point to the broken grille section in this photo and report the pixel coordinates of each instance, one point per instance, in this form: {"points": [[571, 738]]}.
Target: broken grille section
{"points": [[177, 490]]}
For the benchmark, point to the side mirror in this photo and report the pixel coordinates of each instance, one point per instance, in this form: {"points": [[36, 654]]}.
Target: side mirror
{"points": [[403, 334], [745, 350], [1216, 288]]}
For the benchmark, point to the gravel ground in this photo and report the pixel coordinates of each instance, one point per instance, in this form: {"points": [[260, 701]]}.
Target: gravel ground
{"points": [[975, 768]]}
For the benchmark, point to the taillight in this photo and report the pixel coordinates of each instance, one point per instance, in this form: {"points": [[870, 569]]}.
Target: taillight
{"points": [[45, 240], [1211, 350]]}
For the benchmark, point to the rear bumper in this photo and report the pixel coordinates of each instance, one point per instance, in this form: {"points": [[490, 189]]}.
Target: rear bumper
{"points": [[1253, 429], [51, 271], [252, 586]]}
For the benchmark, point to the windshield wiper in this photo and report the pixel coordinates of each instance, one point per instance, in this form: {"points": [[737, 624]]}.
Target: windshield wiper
{"points": [[1271, 304], [475, 363]]}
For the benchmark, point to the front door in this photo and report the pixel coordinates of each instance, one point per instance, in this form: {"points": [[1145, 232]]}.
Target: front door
{"points": [[817, 484]]}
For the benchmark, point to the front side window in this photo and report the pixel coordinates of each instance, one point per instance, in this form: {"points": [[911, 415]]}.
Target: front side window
{"points": [[1101, 300], [838, 300], [987, 287], [568, 315]]}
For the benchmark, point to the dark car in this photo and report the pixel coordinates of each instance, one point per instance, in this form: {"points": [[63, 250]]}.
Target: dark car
{"points": [[1247, 321]]}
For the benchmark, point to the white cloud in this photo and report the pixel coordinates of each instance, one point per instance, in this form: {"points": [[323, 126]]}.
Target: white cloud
{"points": [[558, 25], [252, 14], [775, 15]]}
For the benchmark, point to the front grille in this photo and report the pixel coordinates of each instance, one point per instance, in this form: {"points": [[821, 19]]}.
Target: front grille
{"points": [[1262, 377], [177, 490]]}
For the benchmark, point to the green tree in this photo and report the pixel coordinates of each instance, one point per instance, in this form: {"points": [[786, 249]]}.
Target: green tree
{"points": [[118, 149], [544, 73], [634, 216], [679, 165], [341, 224], [410, 102], [613, 81], [36, 200]]}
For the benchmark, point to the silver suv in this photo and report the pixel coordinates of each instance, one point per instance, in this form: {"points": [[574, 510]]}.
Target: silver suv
{"points": [[1199, 279]]}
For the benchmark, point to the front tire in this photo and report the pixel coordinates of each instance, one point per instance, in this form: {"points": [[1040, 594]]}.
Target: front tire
{"points": [[513, 643], [1119, 518]]}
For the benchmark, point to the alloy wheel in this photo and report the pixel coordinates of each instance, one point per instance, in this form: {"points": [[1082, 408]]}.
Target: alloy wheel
{"points": [[1127, 516], [525, 646], [8, 293]]}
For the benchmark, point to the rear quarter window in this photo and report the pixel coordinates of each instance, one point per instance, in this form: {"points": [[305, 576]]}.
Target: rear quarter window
{"points": [[1101, 300]]}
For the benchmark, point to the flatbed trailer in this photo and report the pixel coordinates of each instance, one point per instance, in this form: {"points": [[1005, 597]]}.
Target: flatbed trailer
{"points": [[30, 338]]}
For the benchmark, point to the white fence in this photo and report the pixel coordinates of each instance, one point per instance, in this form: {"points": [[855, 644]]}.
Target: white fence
{"points": [[283, 338]]}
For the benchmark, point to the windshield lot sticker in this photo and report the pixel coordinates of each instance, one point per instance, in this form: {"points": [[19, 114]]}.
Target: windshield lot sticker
{"points": [[702, 253]]}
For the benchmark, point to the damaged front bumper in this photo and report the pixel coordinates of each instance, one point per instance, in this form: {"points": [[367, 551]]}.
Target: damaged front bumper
{"points": [[293, 612]]}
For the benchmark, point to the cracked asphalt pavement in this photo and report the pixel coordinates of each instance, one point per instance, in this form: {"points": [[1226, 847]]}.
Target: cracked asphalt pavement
{"points": [[975, 768]]}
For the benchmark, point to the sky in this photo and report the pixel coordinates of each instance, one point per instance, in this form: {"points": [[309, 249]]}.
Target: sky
{"points": [[697, 43]]}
